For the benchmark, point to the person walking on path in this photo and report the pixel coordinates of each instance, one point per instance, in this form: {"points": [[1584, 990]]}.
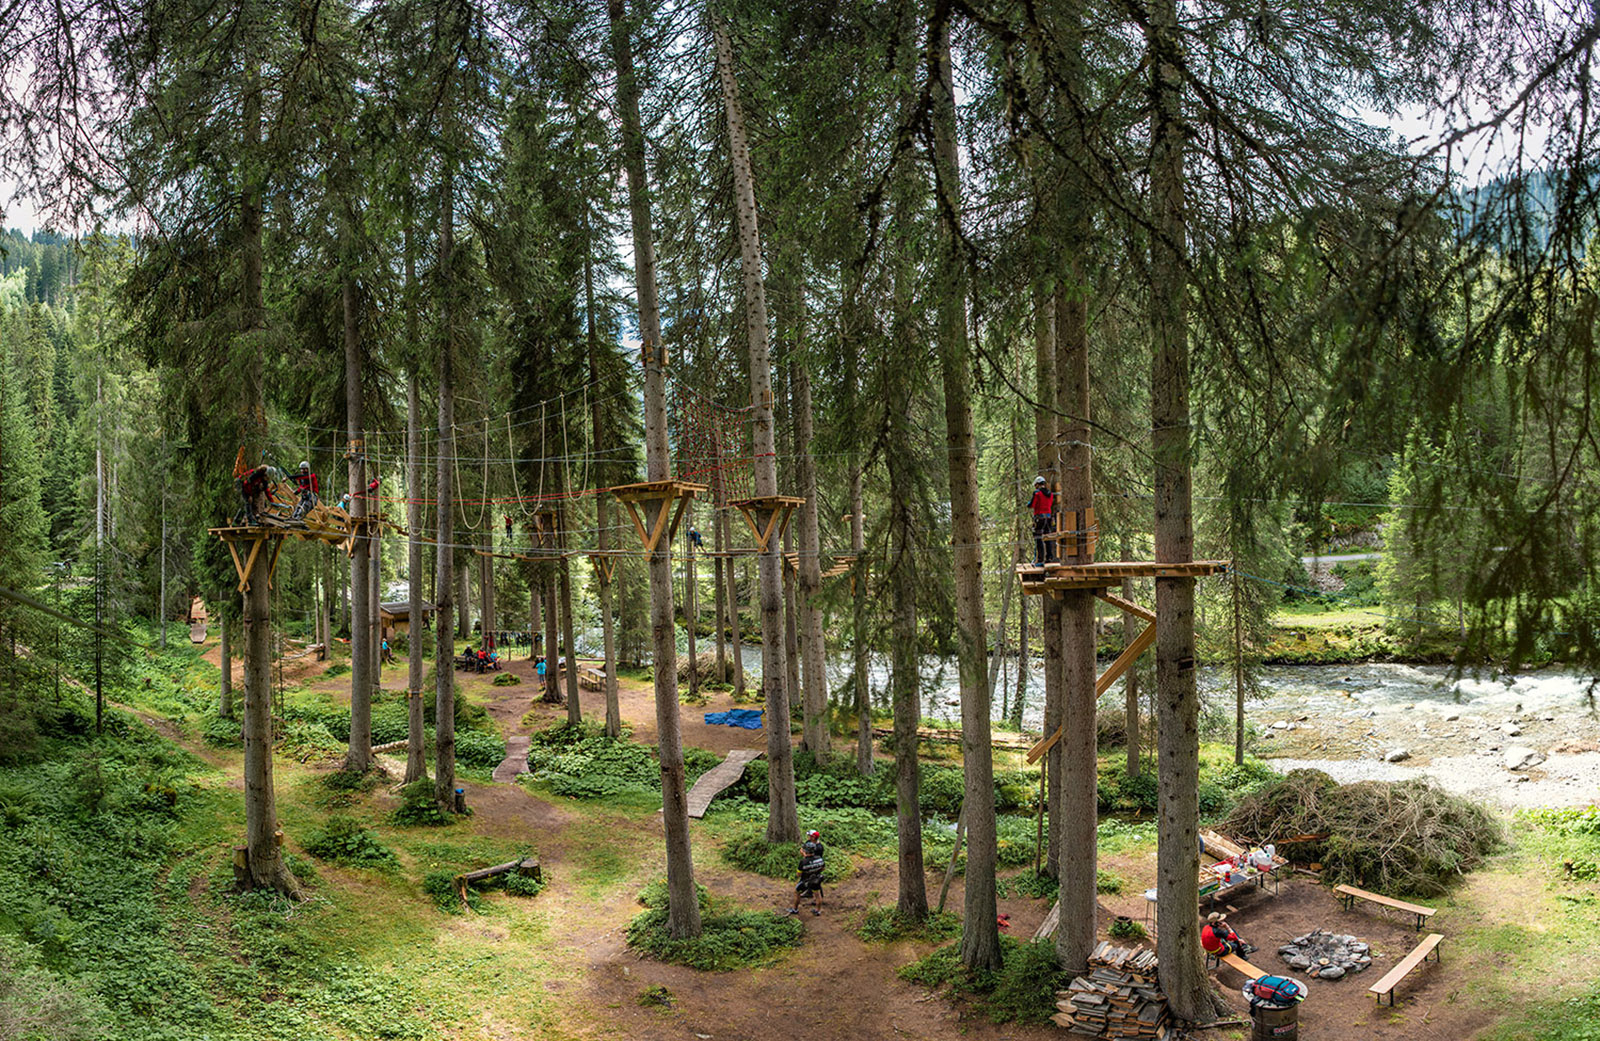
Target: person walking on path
{"points": [[812, 864]]}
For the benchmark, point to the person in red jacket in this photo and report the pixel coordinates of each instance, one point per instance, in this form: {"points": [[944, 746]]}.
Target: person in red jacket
{"points": [[306, 483], [1043, 505], [1218, 937]]}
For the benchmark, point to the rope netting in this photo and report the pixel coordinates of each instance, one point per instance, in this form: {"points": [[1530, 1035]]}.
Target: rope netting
{"points": [[711, 444]]}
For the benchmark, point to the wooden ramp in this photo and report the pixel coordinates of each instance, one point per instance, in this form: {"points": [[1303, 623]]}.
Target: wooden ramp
{"points": [[714, 780]]}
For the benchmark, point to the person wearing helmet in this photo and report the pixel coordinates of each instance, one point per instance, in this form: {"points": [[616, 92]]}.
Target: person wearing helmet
{"points": [[306, 482], [812, 865], [1044, 507]]}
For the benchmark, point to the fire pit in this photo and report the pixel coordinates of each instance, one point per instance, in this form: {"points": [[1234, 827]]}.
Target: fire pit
{"points": [[1327, 956]]}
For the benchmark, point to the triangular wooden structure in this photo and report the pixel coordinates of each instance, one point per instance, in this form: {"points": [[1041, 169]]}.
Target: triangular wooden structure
{"points": [[661, 494], [1098, 578], [768, 515]]}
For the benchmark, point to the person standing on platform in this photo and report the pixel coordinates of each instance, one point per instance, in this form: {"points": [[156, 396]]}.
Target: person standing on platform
{"points": [[1044, 507]]}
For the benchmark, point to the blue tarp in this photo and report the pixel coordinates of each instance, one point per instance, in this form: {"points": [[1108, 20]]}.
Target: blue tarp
{"points": [[749, 718]]}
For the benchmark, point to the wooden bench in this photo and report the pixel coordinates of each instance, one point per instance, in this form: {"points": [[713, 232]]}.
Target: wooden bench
{"points": [[1233, 961], [1418, 955], [1348, 895]]}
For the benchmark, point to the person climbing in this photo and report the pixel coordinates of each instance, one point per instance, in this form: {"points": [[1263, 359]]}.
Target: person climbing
{"points": [[812, 864], [694, 539], [253, 485], [1043, 506], [306, 483], [508, 525], [1219, 939]]}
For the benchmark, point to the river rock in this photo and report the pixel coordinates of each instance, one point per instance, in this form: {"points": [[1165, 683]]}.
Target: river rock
{"points": [[1519, 757], [1332, 972], [1398, 755], [1452, 717], [1514, 732], [1280, 724]]}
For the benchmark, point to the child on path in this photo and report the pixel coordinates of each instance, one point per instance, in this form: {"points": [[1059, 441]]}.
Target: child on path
{"points": [[812, 865]]}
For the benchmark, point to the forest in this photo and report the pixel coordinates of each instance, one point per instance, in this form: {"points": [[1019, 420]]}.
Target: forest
{"points": [[576, 520]]}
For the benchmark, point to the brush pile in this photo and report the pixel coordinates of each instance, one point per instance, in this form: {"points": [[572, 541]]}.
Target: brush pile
{"points": [[1389, 836]]}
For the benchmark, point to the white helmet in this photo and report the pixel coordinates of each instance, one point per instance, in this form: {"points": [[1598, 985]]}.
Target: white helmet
{"points": [[304, 465], [1037, 481]]}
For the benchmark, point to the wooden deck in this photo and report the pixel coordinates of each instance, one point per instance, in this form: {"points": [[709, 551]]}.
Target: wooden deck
{"points": [[715, 780]]}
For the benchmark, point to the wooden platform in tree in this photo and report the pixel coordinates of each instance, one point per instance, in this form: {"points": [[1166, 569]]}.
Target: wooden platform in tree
{"points": [[665, 519], [841, 566], [1050, 578], [719, 777], [767, 515]]}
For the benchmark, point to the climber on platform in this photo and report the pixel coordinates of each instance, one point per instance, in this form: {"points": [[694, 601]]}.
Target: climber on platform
{"points": [[1043, 506], [306, 483]]}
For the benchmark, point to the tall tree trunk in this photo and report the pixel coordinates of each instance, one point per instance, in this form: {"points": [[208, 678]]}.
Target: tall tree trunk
{"points": [[325, 602], [416, 752], [980, 935], [735, 636], [552, 635], [1079, 808], [817, 736], [359, 755], [858, 540], [691, 605], [463, 595], [683, 905], [719, 599], [1044, 343], [783, 823], [1183, 975], [603, 535], [225, 685], [486, 583], [263, 842], [444, 580], [791, 634], [574, 699], [904, 680], [1130, 679]]}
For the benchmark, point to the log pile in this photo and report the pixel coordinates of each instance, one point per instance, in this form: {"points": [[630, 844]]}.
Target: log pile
{"points": [[1119, 998]]}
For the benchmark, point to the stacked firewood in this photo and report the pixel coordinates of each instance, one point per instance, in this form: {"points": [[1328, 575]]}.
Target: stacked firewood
{"points": [[1120, 996]]}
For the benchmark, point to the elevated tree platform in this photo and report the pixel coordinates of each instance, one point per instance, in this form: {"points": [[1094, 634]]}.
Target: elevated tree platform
{"points": [[841, 566], [767, 515], [656, 497], [1050, 578]]}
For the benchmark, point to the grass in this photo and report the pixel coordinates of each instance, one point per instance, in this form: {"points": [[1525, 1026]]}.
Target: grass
{"points": [[1521, 916], [1022, 990], [730, 938], [888, 925]]}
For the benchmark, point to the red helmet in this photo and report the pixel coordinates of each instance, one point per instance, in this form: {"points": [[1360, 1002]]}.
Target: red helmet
{"points": [[813, 834]]}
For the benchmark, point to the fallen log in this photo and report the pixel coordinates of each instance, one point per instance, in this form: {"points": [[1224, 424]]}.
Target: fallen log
{"points": [[527, 866]]}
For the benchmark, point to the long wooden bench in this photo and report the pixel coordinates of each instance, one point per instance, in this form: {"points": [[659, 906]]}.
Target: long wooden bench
{"points": [[1418, 955], [1348, 895], [1251, 972]]}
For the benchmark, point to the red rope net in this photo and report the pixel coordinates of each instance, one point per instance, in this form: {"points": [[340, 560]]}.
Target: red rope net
{"points": [[711, 444]]}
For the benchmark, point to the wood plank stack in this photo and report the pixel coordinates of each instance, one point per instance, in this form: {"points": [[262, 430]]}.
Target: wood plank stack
{"points": [[1119, 998]]}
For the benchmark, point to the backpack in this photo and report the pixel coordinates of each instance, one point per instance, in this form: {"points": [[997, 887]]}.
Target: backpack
{"points": [[1280, 990], [812, 866]]}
